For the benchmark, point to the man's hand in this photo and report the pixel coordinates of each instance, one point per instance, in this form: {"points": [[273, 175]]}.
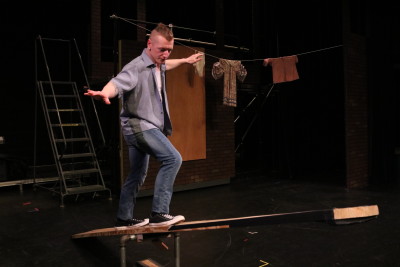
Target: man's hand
{"points": [[98, 95], [194, 58]]}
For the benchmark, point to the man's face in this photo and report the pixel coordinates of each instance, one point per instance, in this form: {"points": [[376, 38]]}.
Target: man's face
{"points": [[159, 49]]}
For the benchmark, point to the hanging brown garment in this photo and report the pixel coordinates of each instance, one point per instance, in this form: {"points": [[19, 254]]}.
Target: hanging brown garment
{"points": [[231, 69], [283, 68]]}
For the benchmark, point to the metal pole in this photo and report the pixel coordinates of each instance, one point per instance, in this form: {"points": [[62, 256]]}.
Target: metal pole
{"points": [[177, 251], [244, 110], [124, 239], [87, 83], [254, 118]]}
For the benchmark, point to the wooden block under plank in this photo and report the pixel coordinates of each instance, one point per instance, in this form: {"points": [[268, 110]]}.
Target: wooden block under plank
{"points": [[354, 214], [147, 263]]}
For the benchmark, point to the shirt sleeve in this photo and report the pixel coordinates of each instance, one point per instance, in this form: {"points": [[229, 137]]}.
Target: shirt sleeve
{"points": [[126, 80]]}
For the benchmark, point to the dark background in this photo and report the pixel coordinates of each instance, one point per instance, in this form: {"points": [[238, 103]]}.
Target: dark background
{"points": [[298, 131]]}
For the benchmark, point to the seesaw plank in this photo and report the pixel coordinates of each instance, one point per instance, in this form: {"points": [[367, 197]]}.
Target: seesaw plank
{"points": [[302, 216]]}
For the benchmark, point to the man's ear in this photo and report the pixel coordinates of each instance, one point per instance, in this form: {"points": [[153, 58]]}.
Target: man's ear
{"points": [[149, 43]]}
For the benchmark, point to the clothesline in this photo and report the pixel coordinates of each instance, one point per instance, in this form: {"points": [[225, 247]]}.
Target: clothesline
{"points": [[304, 53], [155, 23], [243, 60], [144, 28], [261, 59]]}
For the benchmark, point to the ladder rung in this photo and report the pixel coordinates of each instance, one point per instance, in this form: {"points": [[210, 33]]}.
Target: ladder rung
{"points": [[82, 171], [72, 140], [64, 96], [85, 189], [57, 82], [64, 110], [80, 155], [67, 124]]}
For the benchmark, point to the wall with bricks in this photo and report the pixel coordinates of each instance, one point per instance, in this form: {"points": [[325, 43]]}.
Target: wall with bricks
{"points": [[356, 105]]}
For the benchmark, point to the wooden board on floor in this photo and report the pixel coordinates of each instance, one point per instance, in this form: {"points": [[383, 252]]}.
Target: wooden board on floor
{"points": [[333, 215]]}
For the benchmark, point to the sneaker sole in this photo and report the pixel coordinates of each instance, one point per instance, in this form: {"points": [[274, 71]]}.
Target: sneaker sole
{"points": [[175, 220], [146, 222]]}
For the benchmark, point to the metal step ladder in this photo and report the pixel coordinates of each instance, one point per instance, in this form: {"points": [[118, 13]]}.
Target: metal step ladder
{"points": [[74, 154]]}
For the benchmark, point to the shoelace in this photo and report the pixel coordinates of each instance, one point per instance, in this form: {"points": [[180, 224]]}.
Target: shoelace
{"points": [[167, 216]]}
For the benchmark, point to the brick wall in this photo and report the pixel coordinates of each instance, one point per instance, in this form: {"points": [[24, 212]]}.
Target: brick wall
{"points": [[98, 70], [356, 106]]}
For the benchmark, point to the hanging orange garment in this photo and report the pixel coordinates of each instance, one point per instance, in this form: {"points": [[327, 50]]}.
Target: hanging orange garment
{"points": [[283, 68]]}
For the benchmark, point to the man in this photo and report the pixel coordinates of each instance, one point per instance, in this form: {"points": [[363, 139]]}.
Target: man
{"points": [[145, 124]]}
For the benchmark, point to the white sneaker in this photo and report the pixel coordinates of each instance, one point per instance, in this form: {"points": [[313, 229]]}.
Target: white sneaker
{"points": [[165, 219]]}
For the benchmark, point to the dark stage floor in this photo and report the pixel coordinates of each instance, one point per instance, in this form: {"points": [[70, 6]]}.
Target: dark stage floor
{"points": [[37, 232]]}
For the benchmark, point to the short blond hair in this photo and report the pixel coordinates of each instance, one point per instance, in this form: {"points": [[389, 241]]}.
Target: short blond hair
{"points": [[163, 30]]}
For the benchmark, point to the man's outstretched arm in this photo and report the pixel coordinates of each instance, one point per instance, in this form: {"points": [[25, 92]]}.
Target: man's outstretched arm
{"points": [[108, 91], [173, 63]]}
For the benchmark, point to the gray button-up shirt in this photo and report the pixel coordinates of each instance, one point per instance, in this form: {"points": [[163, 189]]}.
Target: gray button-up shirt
{"points": [[142, 107]]}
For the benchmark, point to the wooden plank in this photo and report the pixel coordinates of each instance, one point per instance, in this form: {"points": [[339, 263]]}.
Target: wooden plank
{"points": [[111, 231], [302, 216], [355, 212]]}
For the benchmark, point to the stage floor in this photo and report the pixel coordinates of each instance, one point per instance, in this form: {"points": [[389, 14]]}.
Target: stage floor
{"points": [[37, 232]]}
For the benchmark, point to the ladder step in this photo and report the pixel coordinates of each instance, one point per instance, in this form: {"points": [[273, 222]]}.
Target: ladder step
{"points": [[85, 189], [60, 96], [79, 155], [83, 171], [58, 82], [65, 110], [67, 124], [72, 140]]}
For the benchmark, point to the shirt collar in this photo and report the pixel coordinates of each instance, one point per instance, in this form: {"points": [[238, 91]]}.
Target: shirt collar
{"points": [[149, 62]]}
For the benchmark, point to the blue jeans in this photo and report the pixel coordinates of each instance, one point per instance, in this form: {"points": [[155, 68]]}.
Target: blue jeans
{"points": [[141, 146]]}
